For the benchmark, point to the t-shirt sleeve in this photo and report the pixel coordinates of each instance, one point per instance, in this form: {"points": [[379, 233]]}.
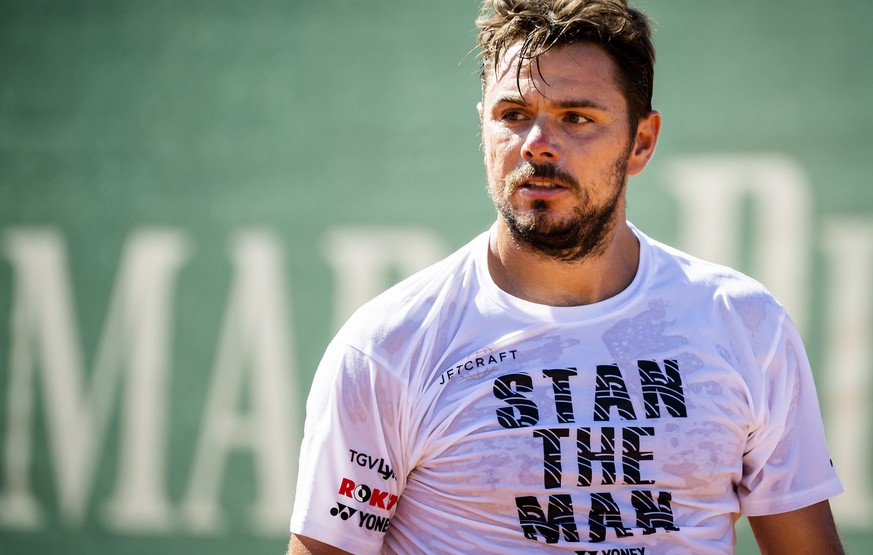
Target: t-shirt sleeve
{"points": [[350, 457], [787, 465]]}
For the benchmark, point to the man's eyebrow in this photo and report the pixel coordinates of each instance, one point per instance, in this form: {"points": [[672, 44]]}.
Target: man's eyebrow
{"points": [[581, 103], [511, 100], [564, 104]]}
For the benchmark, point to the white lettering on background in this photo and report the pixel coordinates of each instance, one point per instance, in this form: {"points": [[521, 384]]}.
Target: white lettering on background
{"points": [[135, 338], [362, 259], [848, 248], [254, 356]]}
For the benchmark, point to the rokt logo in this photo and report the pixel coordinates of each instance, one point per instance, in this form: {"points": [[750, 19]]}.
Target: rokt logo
{"points": [[364, 520], [365, 494]]}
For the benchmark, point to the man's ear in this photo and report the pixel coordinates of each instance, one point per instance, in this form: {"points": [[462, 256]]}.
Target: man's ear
{"points": [[648, 129]]}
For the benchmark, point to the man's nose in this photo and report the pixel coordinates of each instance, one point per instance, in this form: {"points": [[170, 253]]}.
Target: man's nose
{"points": [[539, 145]]}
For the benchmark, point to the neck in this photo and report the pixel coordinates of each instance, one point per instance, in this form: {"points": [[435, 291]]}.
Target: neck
{"points": [[534, 277]]}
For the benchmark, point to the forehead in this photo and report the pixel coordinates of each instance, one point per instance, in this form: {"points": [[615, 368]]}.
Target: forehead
{"points": [[571, 71]]}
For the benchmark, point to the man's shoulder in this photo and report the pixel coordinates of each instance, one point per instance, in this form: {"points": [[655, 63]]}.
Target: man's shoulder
{"points": [[686, 271], [719, 295]]}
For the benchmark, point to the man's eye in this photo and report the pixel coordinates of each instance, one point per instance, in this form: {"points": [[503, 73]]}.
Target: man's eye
{"points": [[577, 118], [512, 115]]}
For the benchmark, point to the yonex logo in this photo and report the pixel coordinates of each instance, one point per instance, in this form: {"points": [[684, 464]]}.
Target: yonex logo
{"points": [[342, 511], [364, 520]]}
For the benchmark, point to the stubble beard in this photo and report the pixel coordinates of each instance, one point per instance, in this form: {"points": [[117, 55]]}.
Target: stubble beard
{"points": [[584, 234]]}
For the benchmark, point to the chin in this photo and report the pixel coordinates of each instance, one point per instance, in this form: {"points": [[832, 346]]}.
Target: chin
{"points": [[539, 222], [544, 218]]}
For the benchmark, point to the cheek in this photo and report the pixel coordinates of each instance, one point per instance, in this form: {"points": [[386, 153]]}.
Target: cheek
{"points": [[496, 167], [497, 137], [499, 149], [501, 152]]}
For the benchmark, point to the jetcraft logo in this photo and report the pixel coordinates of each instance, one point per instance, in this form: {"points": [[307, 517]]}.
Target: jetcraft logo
{"points": [[363, 493], [366, 521]]}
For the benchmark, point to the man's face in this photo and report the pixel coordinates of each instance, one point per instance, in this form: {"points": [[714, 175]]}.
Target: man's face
{"points": [[557, 155]]}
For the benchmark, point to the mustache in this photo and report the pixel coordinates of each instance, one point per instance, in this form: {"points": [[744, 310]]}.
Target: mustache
{"points": [[530, 170]]}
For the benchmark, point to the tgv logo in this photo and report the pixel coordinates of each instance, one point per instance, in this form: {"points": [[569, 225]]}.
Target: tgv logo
{"points": [[365, 494]]}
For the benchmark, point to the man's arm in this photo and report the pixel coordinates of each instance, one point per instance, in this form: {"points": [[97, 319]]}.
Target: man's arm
{"points": [[301, 545], [810, 530]]}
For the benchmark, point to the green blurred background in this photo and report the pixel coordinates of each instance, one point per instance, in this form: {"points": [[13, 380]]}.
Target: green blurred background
{"points": [[193, 196]]}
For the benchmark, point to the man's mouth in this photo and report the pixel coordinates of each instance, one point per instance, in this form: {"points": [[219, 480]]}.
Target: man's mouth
{"points": [[540, 184]]}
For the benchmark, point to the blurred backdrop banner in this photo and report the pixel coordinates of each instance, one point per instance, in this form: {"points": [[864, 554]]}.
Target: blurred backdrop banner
{"points": [[194, 195]]}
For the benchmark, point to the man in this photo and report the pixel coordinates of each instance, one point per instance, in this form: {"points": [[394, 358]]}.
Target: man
{"points": [[564, 383]]}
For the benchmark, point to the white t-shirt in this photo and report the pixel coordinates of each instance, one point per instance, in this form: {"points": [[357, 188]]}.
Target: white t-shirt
{"points": [[448, 416]]}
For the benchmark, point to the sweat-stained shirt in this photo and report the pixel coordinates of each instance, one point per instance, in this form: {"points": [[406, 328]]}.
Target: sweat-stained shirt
{"points": [[448, 416]]}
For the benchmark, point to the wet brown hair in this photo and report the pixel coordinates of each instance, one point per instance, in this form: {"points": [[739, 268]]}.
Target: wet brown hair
{"points": [[538, 25]]}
